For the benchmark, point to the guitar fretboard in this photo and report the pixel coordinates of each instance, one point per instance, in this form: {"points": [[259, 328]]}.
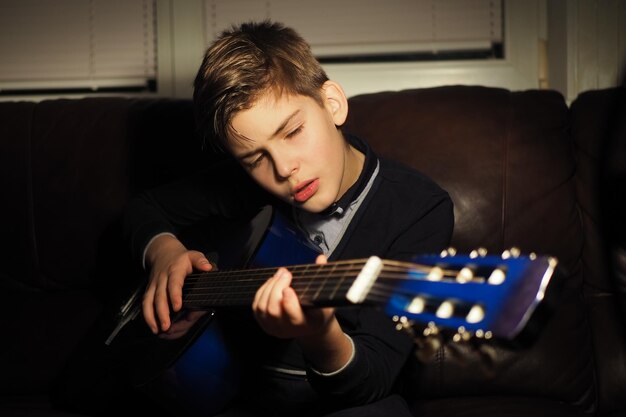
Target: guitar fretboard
{"points": [[315, 284]]}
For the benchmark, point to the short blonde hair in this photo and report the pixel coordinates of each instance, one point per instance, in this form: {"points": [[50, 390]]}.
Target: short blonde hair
{"points": [[245, 62]]}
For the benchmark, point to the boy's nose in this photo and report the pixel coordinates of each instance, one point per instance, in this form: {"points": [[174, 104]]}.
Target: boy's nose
{"points": [[285, 166], [285, 170]]}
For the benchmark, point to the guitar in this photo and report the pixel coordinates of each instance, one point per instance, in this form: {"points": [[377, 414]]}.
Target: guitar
{"points": [[471, 296]]}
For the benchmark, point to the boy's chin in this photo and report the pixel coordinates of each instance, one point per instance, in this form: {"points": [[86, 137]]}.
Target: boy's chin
{"points": [[311, 207]]}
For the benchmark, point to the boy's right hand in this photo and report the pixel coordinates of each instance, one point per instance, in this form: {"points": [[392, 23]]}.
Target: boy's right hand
{"points": [[170, 262]]}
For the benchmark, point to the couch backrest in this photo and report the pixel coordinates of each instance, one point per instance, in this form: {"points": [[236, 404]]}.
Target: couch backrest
{"points": [[598, 128], [510, 166], [521, 168], [68, 168]]}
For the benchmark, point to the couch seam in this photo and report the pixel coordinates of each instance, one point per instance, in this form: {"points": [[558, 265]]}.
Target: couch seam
{"points": [[577, 153], [505, 163], [29, 193]]}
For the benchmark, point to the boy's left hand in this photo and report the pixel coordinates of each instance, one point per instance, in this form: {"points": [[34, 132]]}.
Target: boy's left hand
{"points": [[279, 313]]}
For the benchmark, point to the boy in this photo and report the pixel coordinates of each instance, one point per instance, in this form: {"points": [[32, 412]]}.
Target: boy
{"points": [[262, 96]]}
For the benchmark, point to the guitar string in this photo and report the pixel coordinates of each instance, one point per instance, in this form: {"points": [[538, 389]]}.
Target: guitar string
{"points": [[377, 295], [213, 279], [380, 291], [254, 277], [299, 282], [389, 280], [301, 273], [359, 263], [255, 273], [313, 277]]}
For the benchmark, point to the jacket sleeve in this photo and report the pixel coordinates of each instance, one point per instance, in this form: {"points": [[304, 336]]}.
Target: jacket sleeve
{"points": [[173, 207]]}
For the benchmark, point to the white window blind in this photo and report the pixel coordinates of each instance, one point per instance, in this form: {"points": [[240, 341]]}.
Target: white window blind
{"points": [[372, 27], [76, 44]]}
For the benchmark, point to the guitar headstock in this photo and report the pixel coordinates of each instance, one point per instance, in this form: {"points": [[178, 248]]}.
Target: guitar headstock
{"points": [[472, 296]]}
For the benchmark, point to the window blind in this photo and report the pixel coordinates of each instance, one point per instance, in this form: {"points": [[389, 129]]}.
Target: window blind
{"points": [[65, 45], [372, 27]]}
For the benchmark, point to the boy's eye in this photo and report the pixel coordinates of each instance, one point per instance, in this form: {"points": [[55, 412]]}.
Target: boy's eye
{"points": [[256, 162], [294, 132]]}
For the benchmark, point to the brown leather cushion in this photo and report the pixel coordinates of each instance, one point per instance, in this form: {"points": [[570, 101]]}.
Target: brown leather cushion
{"points": [[507, 161]]}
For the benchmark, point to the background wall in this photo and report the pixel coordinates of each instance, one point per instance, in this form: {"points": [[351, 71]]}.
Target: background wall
{"points": [[586, 44], [566, 45], [182, 39]]}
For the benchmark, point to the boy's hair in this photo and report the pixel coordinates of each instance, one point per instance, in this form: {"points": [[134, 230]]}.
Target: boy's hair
{"points": [[246, 62]]}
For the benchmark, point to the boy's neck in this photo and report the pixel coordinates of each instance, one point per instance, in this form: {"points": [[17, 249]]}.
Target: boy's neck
{"points": [[355, 160], [353, 167]]}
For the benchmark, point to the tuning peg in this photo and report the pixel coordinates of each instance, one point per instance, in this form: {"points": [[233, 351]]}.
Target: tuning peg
{"points": [[514, 252], [404, 324], [476, 314], [445, 310], [481, 334], [496, 277], [435, 274], [464, 275], [461, 335], [417, 305], [401, 322], [450, 251], [480, 252], [431, 329]]}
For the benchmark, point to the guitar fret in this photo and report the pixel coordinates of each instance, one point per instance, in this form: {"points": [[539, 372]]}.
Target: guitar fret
{"points": [[311, 290], [308, 281], [312, 282], [334, 292], [321, 285]]}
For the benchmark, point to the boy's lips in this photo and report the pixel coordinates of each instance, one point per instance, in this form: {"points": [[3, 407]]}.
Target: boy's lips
{"points": [[305, 190]]}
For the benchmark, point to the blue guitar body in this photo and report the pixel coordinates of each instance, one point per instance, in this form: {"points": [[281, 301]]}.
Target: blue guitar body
{"points": [[196, 373]]}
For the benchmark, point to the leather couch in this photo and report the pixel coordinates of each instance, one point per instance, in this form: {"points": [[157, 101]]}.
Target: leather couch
{"points": [[524, 170]]}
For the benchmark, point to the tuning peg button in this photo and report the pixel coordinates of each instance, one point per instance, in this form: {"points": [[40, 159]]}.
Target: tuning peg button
{"points": [[462, 335], [480, 252], [464, 275], [476, 314], [431, 329], [445, 310], [450, 251], [496, 277], [482, 334], [514, 252], [435, 274], [402, 323], [417, 305]]}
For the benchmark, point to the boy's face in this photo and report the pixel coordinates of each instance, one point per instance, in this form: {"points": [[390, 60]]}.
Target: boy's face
{"points": [[291, 146]]}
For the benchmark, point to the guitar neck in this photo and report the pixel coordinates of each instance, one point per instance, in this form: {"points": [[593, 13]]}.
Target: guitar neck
{"points": [[331, 284], [489, 295]]}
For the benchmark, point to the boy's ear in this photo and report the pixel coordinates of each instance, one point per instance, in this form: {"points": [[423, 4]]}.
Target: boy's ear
{"points": [[336, 101]]}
